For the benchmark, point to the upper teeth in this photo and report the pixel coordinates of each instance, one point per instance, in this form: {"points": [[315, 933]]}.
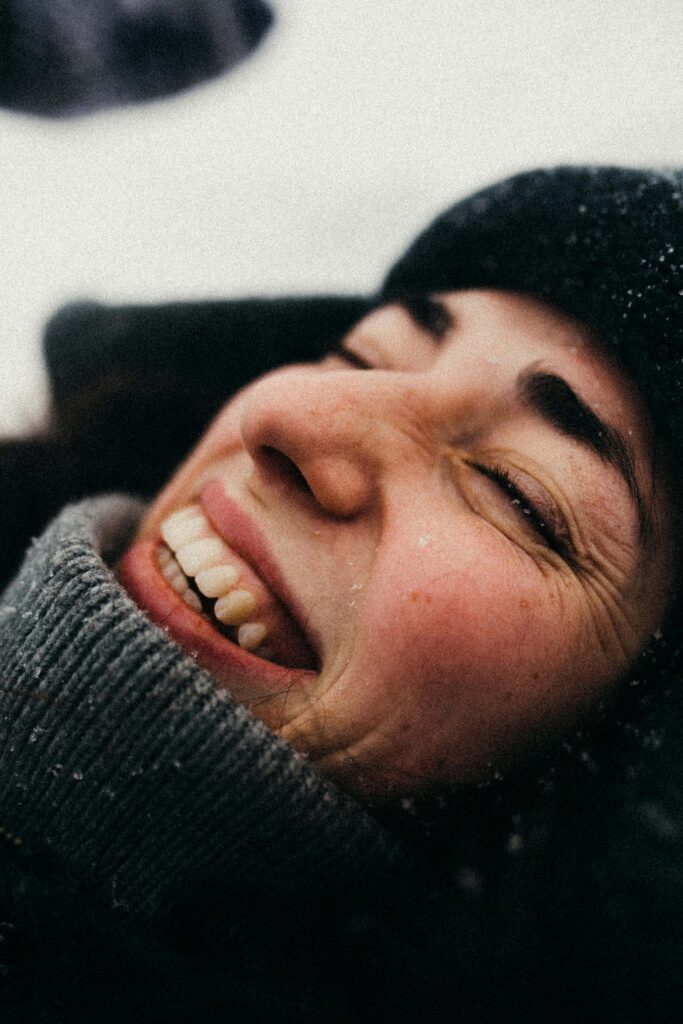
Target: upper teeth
{"points": [[234, 608], [176, 577], [217, 580], [183, 526], [201, 554]]}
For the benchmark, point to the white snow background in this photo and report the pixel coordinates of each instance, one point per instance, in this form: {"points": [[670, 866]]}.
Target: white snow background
{"points": [[309, 167]]}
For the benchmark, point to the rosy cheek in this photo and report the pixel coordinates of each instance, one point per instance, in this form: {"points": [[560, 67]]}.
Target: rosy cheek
{"points": [[414, 635], [457, 631]]}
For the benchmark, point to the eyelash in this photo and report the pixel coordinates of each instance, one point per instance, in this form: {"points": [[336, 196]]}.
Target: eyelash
{"points": [[528, 512], [497, 474], [356, 361], [427, 312]]}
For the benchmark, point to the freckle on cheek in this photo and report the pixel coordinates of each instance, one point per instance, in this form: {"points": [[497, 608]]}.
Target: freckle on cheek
{"points": [[523, 603]]}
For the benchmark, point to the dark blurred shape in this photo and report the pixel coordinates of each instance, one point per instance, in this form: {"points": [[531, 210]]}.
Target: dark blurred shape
{"points": [[66, 57]]}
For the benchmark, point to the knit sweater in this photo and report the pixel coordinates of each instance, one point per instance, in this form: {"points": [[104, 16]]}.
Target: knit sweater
{"points": [[165, 857], [135, 783]]}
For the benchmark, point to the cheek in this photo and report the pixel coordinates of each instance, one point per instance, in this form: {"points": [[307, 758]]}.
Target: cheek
{"points": [[439, 637], [452, 622], [466, 658]]}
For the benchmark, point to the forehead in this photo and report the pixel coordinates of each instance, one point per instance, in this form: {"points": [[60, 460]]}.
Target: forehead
{"points": [[498, 334], [493, 337], [508, 332]]}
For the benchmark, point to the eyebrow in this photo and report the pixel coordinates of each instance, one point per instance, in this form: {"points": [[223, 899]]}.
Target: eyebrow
{"points": [[553, 399], [558, 405]]}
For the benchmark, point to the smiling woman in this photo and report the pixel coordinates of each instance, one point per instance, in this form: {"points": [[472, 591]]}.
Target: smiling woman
{"points": [[373, 709], [459, 536]]}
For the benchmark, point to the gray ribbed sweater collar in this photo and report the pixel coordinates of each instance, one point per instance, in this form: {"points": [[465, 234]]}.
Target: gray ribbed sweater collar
{"points": [[121, 757]]}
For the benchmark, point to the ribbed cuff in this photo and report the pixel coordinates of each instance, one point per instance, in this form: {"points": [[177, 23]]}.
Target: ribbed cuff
{"points": [[120, 756]]}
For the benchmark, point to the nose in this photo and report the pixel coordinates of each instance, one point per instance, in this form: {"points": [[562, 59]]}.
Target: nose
{"points": [[316, 433]]}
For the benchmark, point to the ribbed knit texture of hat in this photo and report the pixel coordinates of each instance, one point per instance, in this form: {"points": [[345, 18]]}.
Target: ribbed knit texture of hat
{"points": [[603, 245], [122, 758]]}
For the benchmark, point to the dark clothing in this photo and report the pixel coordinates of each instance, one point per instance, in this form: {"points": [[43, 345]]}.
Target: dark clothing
{"points": [[162, 854], [166, 858], [147, 817]]}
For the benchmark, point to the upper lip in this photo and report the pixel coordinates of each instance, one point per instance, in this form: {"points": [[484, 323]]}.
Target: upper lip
{"points": [[246, 538]]}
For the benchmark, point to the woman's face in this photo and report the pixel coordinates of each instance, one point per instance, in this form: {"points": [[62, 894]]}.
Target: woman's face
{"points": [[450, 532]]}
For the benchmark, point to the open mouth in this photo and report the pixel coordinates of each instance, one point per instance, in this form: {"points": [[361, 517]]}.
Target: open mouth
{"points": [[228, 612], [212, 601], [216, 582]]}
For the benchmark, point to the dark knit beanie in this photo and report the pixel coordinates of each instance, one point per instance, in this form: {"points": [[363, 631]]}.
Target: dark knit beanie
{"points": [[602, 245]]}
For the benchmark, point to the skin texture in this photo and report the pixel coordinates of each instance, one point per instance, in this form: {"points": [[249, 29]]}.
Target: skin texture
{"points": [[452, 635]]}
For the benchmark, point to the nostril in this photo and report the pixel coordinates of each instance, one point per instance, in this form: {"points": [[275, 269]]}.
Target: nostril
{"points": [[281, 466]]}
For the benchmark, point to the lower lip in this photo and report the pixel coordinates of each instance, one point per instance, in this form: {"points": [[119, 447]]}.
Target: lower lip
{"points": [[232, 667]]}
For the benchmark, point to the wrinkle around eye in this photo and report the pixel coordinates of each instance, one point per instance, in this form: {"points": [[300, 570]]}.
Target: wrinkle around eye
{"points": [[521, 492], [487, 498], [611, 616]]}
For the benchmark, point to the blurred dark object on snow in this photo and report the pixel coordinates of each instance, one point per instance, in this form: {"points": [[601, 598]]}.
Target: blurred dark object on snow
{"points": [[64, 57]]}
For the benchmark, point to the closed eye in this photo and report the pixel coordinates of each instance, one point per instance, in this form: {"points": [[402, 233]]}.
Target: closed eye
{"points": [[526, 510], [427, 312], [351, 357]]}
